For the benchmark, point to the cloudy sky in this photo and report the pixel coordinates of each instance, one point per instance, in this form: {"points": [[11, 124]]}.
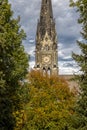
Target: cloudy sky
{"points": [[66, 26]]}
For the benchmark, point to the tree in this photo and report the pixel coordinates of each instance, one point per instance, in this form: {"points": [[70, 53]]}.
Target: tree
{"points": [[13, 66], [81, 59], [50, 103]]}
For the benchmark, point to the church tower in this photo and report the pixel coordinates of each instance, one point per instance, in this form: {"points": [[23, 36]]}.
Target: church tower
{"points": [[46, 55]]}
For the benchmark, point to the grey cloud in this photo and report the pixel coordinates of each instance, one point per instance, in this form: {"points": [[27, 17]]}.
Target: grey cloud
{"points": [[65, 59]]}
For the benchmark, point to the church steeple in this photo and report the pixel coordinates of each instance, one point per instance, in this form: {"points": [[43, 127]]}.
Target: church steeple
{"points": [[46, 39], [46, 22]]}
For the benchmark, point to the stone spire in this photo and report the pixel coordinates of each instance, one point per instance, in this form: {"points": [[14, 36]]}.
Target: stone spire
{"points": [[46, 22], [46, 39], [46, 9]]}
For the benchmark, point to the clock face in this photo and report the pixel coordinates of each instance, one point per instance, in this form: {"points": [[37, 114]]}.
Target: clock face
{"points": [[46, 59]]}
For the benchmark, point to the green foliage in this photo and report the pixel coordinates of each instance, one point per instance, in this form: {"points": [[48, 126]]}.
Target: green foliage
{"points": [[81, 6], [50, 103], [81, 106], [13, 66]]}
